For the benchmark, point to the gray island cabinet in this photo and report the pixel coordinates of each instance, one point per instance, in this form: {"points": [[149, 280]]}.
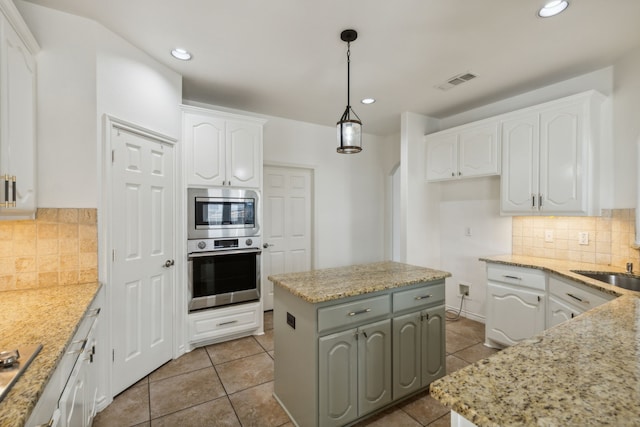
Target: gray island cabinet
{"points": [[350, 341]]}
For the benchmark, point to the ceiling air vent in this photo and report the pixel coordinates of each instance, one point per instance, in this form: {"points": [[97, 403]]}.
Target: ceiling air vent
{"points": [[456, 80]]}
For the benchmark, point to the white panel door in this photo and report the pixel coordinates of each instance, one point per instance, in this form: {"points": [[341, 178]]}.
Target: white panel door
{"points": [[142, 238], [287, 225]]}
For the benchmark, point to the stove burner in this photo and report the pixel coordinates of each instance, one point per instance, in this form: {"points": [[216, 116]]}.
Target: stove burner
{"points": [[9, 358]]}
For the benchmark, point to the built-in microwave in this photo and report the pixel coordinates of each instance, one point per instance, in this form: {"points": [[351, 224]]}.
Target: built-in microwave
{"points": [[222, 212]]}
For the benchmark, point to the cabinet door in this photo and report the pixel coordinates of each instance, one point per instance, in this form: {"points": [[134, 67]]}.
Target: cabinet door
{"points": [[17, 109], [519, 179], [374, 366], [338, 378], [244, 154], [479, 151], [559, 311], [563, 162], [204, 140], [406, 354], [513, 313], [433, 344], [73, 400], [442, 156]]}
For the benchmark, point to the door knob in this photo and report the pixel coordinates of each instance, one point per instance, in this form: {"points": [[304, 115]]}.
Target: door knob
{"points": [[266, 245], [169, 263]]}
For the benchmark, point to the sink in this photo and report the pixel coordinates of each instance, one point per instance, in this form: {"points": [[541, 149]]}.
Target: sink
{"points": [[622, 280]]}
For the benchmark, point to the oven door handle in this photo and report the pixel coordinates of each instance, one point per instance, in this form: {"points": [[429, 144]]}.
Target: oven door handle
{"points": [[219, 253]]}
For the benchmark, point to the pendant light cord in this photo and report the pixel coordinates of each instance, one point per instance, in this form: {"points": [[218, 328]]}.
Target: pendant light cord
{"points": [[348, 75]]}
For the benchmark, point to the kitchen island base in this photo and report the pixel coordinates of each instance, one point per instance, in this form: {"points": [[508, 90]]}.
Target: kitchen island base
{"points": [[341, 360]]}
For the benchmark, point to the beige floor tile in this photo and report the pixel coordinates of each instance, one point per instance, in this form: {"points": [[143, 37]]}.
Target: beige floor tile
{"points": [[188, 362], [232, 350], [444, 421], [182, 391], [256, 407], [247, 372], [454, 363], [266, 340], [215, 413], [467, 328], [268, 320], [456, 342], [145, 424], [476, 352], [424, 408], [129, 408], [391, 417]]}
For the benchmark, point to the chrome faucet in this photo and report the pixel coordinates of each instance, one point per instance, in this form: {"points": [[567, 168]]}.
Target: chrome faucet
{"points": [[630, 267]]}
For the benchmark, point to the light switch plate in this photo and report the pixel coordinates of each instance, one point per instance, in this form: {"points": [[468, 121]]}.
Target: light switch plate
{"points": [[583, 237]]}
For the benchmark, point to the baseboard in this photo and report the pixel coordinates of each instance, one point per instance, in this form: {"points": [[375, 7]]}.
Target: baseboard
{"points": [[467, 314]]}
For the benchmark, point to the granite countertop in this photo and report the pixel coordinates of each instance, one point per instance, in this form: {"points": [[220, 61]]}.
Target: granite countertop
{"points": [[47, 316], [581, 372], [317, 286]]}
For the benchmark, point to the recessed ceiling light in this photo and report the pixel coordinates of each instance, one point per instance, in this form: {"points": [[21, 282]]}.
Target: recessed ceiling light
{"points": [[181, 54], [368, 100], [553, 8]]}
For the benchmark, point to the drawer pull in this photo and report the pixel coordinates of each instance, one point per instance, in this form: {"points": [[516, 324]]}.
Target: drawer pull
{"points": [[94, 312], [418, 298], [355, 313], [578, 298], [230, 322], [506, 276]]}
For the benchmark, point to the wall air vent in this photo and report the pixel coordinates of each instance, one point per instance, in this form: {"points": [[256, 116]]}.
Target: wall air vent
{"points": [[456, 80]]}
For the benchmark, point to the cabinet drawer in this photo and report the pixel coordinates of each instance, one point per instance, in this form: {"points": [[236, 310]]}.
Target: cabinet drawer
{"points": [[352, 312], [217, 323], [418, 297], [528, 277], [576, 294]]}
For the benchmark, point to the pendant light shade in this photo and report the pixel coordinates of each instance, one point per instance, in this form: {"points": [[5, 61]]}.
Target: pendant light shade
{"points": [[349, 126]]}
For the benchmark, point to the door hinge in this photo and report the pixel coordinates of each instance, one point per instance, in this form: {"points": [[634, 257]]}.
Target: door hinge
{"points": [[113, 255], [113, 355], [113, 156]]}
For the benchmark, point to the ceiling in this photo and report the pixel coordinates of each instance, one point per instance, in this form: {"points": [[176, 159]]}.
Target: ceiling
{"points": [[285, 57]]}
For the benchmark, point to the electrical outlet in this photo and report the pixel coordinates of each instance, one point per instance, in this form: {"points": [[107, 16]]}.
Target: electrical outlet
{"points": [[548, 236], [464, 289], [583, 238]]}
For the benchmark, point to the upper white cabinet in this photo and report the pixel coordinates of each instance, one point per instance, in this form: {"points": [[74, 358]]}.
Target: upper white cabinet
{"points": [[17, 116], [463, 152], [549, 158], [222, 149]]}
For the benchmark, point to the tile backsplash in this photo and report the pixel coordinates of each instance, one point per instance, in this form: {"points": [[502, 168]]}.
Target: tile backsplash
{"points": [[59, 247], [610, 238]]}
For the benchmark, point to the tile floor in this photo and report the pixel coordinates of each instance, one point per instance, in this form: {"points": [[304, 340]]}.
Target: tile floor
{"points": [[231, 384]]}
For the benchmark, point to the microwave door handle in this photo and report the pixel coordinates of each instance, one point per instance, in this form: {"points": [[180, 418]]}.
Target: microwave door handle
{"points": [[220, 253]]}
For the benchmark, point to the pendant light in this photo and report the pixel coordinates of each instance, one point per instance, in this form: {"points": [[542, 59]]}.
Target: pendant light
{"points": [[349, 128]]}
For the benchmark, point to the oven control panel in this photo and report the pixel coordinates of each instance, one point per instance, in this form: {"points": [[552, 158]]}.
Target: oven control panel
{"points": [[222, 244]]}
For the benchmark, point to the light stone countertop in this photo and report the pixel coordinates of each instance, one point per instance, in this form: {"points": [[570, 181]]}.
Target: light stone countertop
{"points": [[582, 372], [47, 316], [328, 284]]}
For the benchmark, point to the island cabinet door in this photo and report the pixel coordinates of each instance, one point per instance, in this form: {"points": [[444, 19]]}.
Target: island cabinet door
{"points": [[433, 344], [406, 354], [338, 378], [374, 366]]}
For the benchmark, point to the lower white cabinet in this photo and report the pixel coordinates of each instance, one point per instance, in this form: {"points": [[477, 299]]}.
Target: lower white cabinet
{"points": [[340, 360], [354, 372], [559, 311], [209, 326], [516, 308], [568, 299], [69, 399]]}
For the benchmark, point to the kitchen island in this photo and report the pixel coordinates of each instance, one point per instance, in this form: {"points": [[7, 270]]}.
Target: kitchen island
{"points": [[581, 372], [49, 316], [336, 361]]}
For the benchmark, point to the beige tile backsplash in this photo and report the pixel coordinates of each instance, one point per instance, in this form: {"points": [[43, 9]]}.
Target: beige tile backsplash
{"points": [[59, 247], [611, 237]]}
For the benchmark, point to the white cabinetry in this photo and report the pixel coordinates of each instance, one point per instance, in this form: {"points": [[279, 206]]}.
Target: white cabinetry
{"points": [[515, 304], [549, 157], [568, 299], [70, 397], [209, 326], [463, 152], [17, 116], [222, 149]]}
